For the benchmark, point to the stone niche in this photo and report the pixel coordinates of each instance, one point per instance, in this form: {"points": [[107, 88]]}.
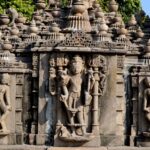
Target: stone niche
{"points": [[81, 96], [139, 97]]}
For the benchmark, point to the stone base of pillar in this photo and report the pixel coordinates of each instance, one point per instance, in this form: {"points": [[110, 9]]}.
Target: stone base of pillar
{"points": [[112, 140], [143, 141], [94, 142], [8, 139], [41, 139], [19, 138]]}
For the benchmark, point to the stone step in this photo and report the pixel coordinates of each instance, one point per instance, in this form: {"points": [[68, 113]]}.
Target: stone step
{"points": [[28, 147]]}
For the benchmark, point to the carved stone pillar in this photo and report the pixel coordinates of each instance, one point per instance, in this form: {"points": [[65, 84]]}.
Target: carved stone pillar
{"points": [[120, 98], [134, 86], [95, 124], [43, 77], [34, 102], [19, 110]]}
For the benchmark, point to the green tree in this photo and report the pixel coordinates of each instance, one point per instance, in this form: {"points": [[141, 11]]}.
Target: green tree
{"points": [[126, 7], [26, 7]]}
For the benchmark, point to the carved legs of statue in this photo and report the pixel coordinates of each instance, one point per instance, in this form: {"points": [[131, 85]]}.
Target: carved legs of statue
{"points": [[80, 116], [76, 109], [73, 99], [148, 118], [5, 111], [71, 121], [2, 122]]}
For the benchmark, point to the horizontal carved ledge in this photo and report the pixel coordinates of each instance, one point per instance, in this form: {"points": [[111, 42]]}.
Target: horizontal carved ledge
{"points": [[80, 49], [14, 70]]}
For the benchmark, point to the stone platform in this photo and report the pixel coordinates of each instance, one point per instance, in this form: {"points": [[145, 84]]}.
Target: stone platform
{"points": [[27, 147]]}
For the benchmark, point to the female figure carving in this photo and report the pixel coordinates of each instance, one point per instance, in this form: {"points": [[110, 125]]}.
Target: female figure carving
{"points": [[5, 106]]}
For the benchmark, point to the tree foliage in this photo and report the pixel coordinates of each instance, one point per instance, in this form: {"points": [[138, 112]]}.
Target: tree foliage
{"points": [[126, 7], [26, 7]]}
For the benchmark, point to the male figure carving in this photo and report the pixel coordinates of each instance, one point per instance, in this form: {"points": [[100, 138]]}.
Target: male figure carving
{"points": [[71, 97]]}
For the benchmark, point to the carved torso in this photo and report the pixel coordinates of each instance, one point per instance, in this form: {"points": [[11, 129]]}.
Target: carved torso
{"points": [[75, 83], [2, 91]]}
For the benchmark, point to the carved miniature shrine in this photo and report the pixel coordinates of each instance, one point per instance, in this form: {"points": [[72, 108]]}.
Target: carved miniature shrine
{"points": [[74, 76]]}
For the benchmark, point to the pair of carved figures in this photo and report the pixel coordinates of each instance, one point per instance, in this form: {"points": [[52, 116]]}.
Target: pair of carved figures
{"points": [[75, 93]]}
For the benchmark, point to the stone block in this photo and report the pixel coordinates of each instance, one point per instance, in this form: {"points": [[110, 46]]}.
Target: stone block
{"points": [[119, 130], [127, 148], [77, 148], [119, 103], [95, 142], [22, 147], [123, 148], [120, 90], [112, 140], [119, 118], [7, 139], [40, 139]]}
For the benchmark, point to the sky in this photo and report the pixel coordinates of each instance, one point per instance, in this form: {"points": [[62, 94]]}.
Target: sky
{"points": [[146, 6]]}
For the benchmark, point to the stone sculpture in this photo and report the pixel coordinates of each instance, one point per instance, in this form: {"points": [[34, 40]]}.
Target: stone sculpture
{"points": [[147, 99], [78, 77], [13, 14], [72, 95], [69, 68], [5, 106]]}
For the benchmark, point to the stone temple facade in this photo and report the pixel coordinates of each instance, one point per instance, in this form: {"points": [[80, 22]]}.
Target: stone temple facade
{"points": [[74, 76]]}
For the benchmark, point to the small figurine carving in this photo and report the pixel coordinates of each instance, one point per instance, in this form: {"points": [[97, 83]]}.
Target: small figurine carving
{"points": [[102, 82], [5, 106], [13, 13], [90, 84]]}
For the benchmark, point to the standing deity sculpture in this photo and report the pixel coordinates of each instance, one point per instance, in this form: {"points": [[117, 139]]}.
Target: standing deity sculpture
{"points": [[72, 85], [5, 106], [71, 96]]}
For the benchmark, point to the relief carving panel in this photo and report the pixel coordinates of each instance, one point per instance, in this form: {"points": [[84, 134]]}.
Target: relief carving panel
{"points": [[78, 83]]}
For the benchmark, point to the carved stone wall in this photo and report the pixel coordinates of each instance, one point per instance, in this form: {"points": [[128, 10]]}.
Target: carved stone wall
{"points": [[14, 122], [74, 76], [55, 68], [140, 105]]}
